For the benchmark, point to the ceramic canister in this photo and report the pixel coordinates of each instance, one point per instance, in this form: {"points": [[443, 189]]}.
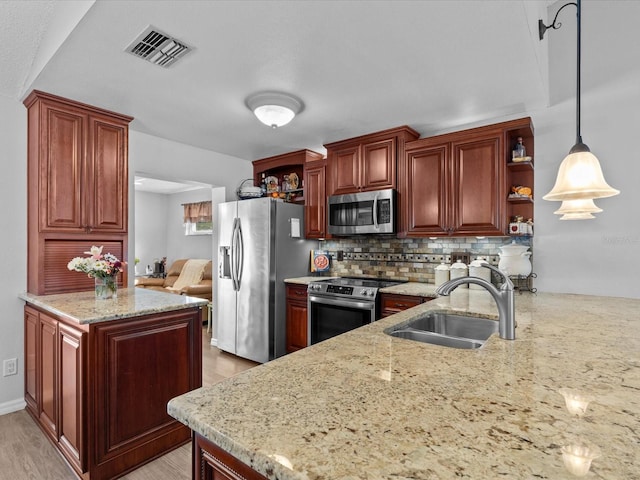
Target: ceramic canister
{"points": [[442, 274], [458, 270], [477, 270], [514, 259]]}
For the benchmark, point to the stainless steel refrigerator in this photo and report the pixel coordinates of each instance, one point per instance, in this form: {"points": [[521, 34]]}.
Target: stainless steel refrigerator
{"points": [[258, 249]]}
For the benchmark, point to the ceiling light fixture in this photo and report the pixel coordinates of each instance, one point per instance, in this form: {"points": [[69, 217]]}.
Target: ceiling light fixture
{"points": [[579, 176], [274, 109]]}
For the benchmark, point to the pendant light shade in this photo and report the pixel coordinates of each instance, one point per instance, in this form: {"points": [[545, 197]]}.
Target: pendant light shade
{"points": [[571, 207], [580, 177], [577, 216], [273, 108]]}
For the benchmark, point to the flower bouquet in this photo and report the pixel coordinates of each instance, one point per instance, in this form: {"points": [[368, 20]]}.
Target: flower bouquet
{"points": [[103, 268]]}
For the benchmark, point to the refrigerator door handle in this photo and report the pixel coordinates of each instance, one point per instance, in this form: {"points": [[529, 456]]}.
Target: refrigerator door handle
{"points": [[240, 265], [234, 255]]}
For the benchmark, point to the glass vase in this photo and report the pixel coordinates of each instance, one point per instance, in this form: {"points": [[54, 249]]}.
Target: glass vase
{"points": [[106, 288]]}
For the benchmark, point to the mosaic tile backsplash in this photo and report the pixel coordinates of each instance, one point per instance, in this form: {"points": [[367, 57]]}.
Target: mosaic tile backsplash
{"points": [[411, 259]]}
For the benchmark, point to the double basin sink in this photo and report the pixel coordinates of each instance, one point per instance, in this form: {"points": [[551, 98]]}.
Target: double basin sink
{"points": [[446, 329]]}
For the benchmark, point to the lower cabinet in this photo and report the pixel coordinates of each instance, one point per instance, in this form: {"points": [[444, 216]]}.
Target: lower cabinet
{"points": [[54, 382], [297, 336], [212, 463], [100, 391], [390, 303]]}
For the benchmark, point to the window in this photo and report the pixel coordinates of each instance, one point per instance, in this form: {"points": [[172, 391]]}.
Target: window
{"points": [[198, 219]]}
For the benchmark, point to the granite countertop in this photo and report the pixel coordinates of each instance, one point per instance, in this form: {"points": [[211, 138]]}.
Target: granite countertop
{"points": [[83, 308], [367, 405]]}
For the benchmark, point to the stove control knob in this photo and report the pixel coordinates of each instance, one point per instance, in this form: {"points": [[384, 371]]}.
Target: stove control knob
{"points": [[371, 293]]}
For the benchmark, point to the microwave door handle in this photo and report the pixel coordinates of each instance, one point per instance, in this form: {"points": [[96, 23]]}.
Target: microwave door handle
{"points": [[375, 212]]}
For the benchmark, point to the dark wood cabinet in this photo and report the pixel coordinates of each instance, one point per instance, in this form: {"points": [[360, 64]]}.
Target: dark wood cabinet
{"points": [[366, 163], [297, 332], [77, 188], [210, 462], [100, 391], [54, 382], [309, 167], [458, 183], [315, 204], [391, 303]]}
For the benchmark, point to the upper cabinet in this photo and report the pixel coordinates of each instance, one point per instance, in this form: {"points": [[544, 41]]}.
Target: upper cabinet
{"points": [[315, 200], [309, 167], [82, 169], [459, 183], [77, 188], [366, 163]]}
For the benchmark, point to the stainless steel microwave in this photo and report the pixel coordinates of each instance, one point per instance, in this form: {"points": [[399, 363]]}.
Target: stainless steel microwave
{"points": [[363, 212]]}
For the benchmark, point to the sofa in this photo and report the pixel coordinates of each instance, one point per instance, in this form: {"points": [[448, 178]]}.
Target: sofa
{"points": [[203, 289]]}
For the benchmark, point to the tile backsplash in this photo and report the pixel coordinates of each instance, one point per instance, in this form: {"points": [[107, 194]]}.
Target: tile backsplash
{"points": [[411, 259]]}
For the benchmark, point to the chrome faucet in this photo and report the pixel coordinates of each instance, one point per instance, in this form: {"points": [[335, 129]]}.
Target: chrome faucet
{"points": [[504, 299]]}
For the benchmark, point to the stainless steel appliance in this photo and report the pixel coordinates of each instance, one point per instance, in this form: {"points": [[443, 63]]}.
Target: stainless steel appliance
{"points": [[363, 212], [256, 253], [338, 305]]}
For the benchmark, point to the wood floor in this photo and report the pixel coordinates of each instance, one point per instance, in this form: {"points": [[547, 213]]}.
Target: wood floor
{"points": [[26, 454]]}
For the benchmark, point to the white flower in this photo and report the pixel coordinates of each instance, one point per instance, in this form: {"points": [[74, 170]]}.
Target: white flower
{"points": [[95, 252]]}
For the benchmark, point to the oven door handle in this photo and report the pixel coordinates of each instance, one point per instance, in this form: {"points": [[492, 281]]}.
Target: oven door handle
{"points": [[342, 303]]}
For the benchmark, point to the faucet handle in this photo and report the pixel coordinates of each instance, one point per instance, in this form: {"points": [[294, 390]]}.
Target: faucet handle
{"points": [[507, 284]]}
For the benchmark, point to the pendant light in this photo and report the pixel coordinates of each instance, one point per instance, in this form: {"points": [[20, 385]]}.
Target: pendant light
{"points": [[577, 209], [579, 176], [274, 109]]}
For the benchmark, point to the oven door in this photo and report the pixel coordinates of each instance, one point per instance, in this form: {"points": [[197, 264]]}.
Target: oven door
{"points": [[331, 316]]}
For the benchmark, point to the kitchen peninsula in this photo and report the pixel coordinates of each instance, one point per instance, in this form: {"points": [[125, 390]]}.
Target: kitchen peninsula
{"points": [[99, 374], [367, 405]]}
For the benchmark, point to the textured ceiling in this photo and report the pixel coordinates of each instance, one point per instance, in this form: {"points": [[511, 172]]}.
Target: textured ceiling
{"points": [[23, 24]]}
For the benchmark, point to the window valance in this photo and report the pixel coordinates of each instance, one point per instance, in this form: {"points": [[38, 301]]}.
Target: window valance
{"points": [[198, 212]]}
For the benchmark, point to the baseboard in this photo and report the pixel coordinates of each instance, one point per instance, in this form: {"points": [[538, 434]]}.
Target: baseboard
{"points": [[214, 342], [12, 406]]}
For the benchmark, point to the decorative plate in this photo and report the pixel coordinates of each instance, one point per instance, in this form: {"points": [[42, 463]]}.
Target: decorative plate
{"points": [[294, 181]]}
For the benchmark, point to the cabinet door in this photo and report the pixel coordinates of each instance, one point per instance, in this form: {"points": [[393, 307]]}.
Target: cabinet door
{"points": [[61, 168], [297, 336], [71, 385], [426, 191], [345, 171], [315, 214], [48, 408], [31, 358], [379, 165], [107, 177], [478, 187]]}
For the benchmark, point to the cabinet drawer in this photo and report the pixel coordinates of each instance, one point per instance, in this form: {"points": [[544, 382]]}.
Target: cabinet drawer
{"points": [[392, 303], [298, 292]]}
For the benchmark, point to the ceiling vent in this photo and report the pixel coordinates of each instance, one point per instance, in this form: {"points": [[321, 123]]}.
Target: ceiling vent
{"points": [[156, 47]]}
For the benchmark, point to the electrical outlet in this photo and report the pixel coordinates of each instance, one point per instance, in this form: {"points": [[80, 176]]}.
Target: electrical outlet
{"points": [[9, 367]]}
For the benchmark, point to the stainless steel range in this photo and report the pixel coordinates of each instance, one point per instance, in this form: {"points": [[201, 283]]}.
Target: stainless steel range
{"points": [[337, 305]]}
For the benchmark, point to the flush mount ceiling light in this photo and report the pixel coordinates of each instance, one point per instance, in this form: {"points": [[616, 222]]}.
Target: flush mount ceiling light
{"points": [[274, 109], [579, 176]]}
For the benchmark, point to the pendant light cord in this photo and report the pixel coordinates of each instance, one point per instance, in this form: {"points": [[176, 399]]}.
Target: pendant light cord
{"points": [[578, 135]]}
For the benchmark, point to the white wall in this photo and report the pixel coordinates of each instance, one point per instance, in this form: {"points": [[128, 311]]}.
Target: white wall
{"points": [[597, 256], [150, 228], [168, 160], [13, 251]]}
